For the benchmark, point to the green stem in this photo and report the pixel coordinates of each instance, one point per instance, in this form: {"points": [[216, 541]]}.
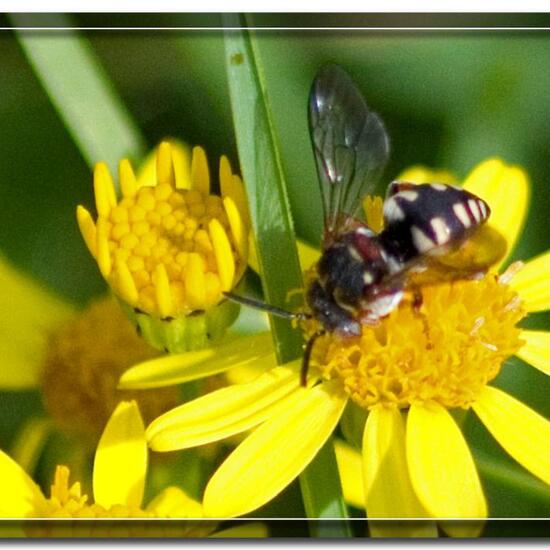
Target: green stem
{"points": [[276, 246], [322, 495]]}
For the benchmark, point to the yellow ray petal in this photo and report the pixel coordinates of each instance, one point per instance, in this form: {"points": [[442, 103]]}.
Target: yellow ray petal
{"points": [[274, 454], [102, 247], [232, 186], [532, 283], [307, 254], [104, 189], [126, 286], [120, 463], [506, 190], [238, 229], [224, 412], [524, 434], [176, 369], [87, 229], [536, 350], [422, 174], [181, 158], [163, 292], [20, 496], [34, 312], [165, 167], [172, 502], [195, 283], [224, 255], [350, 466], [441, 466], [388, 489], [127, 178], [200, 174]]}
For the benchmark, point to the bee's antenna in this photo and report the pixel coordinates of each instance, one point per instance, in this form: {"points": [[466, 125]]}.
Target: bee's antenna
{"points": [[273, 310], [307, 355]]}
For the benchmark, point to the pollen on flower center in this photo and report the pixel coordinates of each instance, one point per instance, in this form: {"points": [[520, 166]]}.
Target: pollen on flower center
{"points": [[164, 250], [446, 352]]}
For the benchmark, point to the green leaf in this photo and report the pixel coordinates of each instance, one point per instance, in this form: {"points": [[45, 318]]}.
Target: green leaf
{"points": [[275, 245], [81, 92], [318, 493], [264, 180]]}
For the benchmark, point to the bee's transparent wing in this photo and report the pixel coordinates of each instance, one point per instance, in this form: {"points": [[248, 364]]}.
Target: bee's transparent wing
{"points": [[350, 143]]}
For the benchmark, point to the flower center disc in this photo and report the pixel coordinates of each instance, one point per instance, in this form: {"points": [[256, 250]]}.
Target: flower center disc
{"points": [[446, 352]]}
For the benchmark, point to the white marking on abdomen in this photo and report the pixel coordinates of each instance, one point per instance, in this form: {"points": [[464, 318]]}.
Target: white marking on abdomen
{"points": [[439, 186], [392, 211], [461, 214], [474, 209], [410, 196], [421, 241], [482, 209], [441, 230]]}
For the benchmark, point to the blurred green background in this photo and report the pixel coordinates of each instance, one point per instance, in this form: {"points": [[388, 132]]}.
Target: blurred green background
{"points": [[449, 99]]}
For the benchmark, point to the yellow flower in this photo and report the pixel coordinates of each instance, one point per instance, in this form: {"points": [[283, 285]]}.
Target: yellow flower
{"points": [[119, 475], [408, 373], [48, 344], [169, 247]]}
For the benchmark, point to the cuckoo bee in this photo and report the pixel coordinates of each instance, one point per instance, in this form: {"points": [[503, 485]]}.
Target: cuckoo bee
{"points": [[362, 276]]}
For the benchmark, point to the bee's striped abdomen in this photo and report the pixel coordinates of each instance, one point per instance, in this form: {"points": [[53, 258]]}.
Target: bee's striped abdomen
{"points": [[429, 218]]}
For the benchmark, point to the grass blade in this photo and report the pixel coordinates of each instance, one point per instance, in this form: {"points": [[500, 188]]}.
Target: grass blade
{"points": [[261, 168], [80, 91], [276, 246]]}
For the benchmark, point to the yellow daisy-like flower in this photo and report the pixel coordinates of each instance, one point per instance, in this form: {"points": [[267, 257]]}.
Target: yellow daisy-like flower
{"points": [[170, 247], [408, 373], [50, 345], [119, 475]]}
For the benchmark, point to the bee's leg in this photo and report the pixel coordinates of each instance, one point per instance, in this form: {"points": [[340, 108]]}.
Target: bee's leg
{"points": [[307, 356]]}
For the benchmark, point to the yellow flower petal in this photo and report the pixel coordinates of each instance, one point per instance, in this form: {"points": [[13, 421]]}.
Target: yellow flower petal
{"points": [[388, 489], [232, 186], [172, 502], [175, 369], [104, 190], [195, 282], [181, 157], [87, 229], [307, 254], [532, 283], [200, 175], [224, 412], [506, 190], [238, 229], [127, 178], [34, 311], [224, 255], [441, 466], [350, 466], [536, 350], [120, 463], [524, 434], [422, 174], [20, 496], [165, 167], [275, 453]]}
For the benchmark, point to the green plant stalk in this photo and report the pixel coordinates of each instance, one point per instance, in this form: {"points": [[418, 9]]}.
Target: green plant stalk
{"points": [[81, 92], [276, 247]]}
